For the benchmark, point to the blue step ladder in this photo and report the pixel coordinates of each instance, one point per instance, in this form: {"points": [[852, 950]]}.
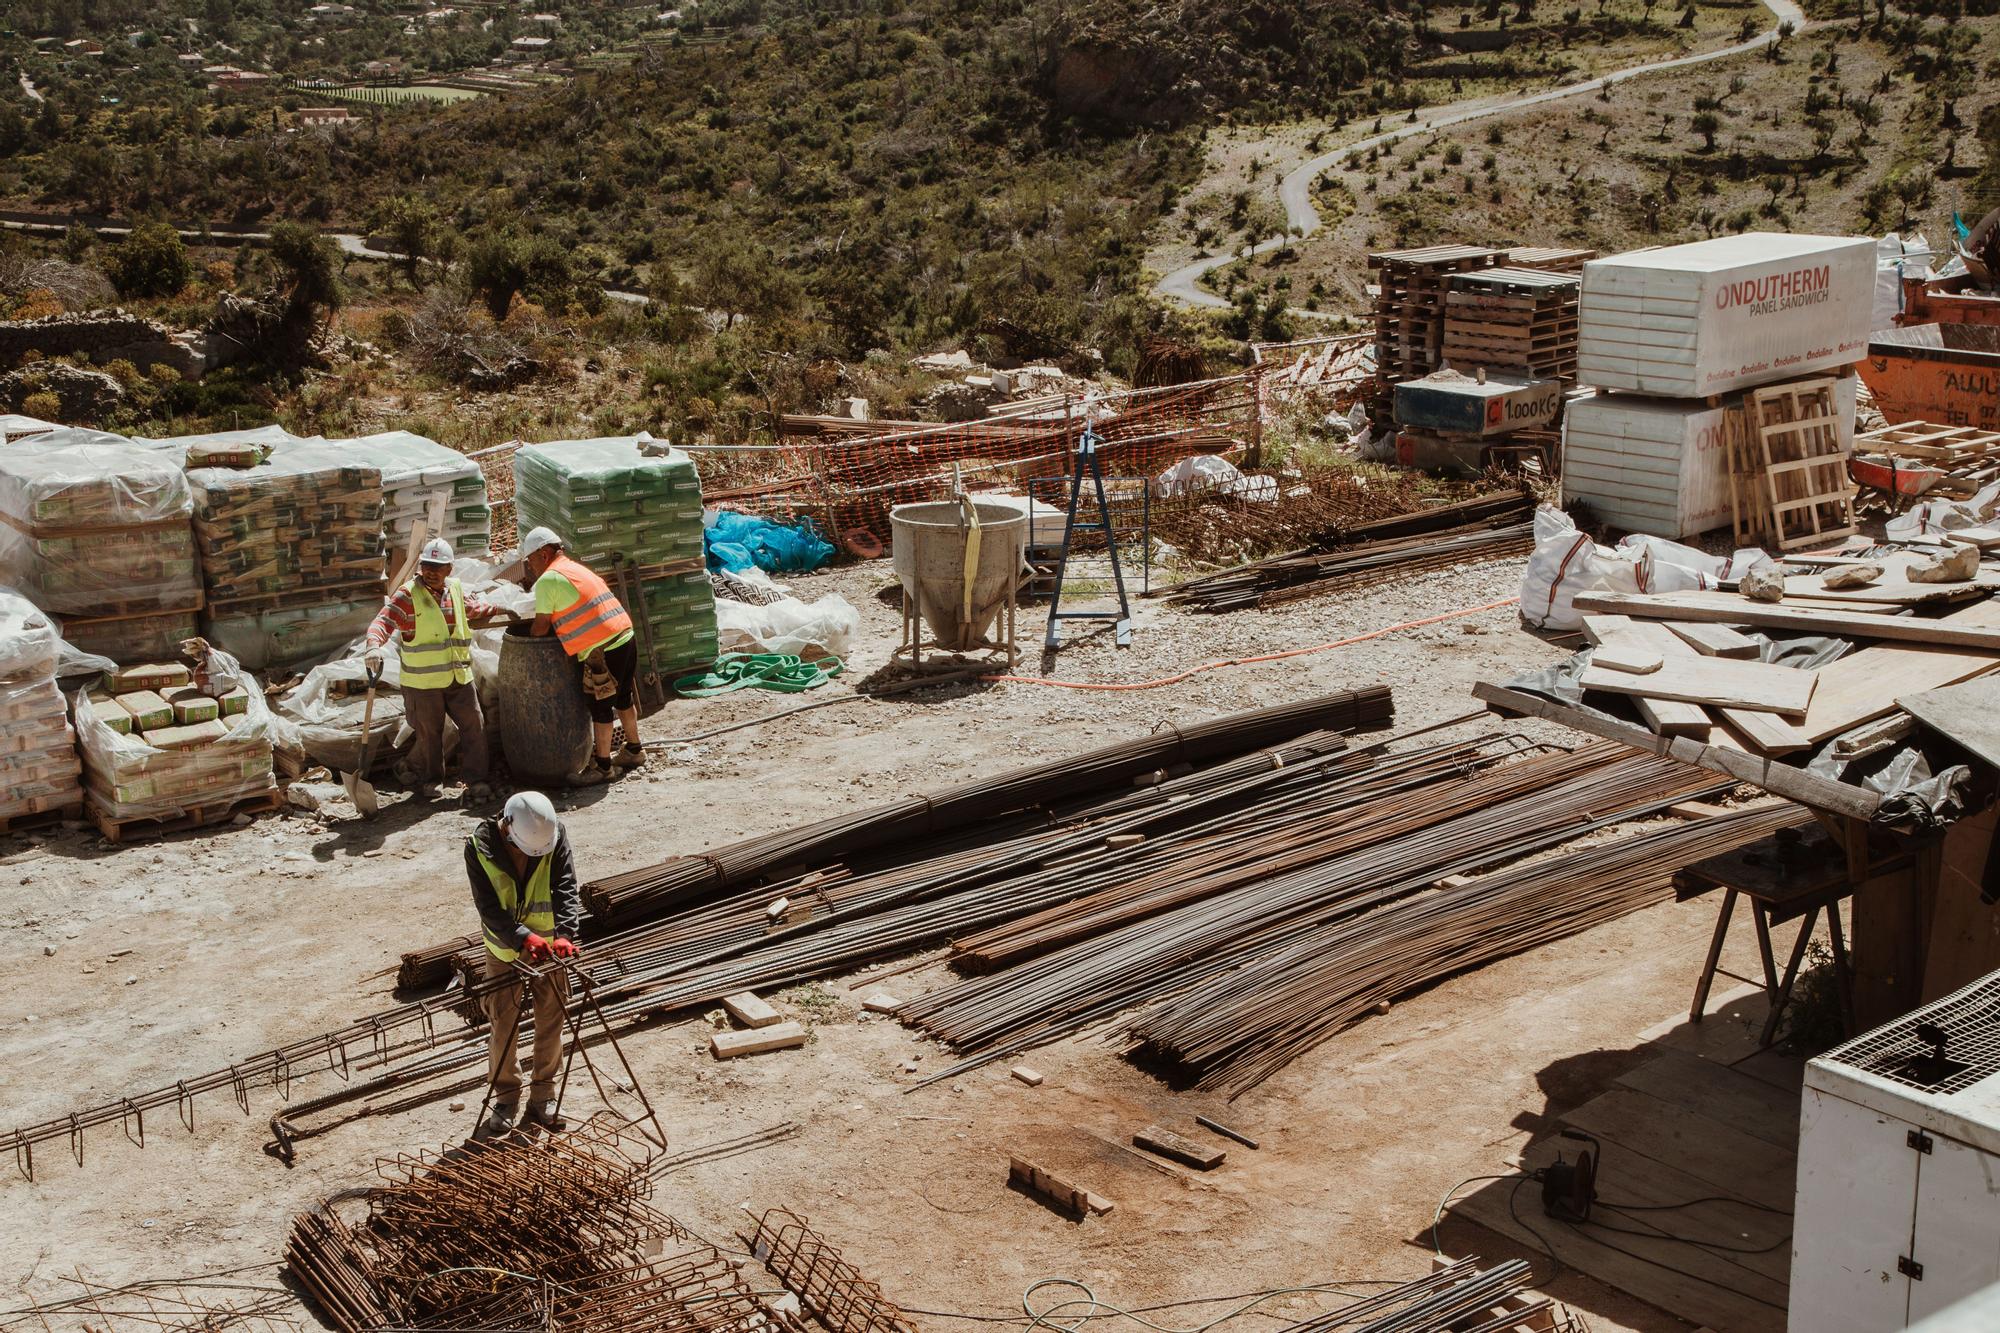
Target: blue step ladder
{"points": [[1088, 465]]}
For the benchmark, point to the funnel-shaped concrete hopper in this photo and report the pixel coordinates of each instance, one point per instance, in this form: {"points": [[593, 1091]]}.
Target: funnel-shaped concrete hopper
{"points": [[930, 547]]}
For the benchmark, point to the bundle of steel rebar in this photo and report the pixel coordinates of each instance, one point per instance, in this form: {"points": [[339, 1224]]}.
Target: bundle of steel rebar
{"points": [[1291, 577], [553, 1234], [894, 899], [675, 883], [1242, 1028], [1449, 827], [1487, 527]]}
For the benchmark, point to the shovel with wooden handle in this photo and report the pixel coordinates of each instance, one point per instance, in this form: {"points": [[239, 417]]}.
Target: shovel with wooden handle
{"points": [[357, 786]]}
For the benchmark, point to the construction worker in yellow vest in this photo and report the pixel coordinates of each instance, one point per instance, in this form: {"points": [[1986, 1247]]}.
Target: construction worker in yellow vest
{"points": [[579, 609], [524, 885], [430, 619]]}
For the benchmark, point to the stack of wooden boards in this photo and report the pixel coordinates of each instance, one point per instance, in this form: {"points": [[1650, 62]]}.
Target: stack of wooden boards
{"points": [[631, 505], [39, 772], [94, 528], [1723, 386], [157, 748], [291, 551], [1689, 665]]}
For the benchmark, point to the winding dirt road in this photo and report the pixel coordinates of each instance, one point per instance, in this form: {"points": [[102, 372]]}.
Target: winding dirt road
{"points": [[1295, 188]]}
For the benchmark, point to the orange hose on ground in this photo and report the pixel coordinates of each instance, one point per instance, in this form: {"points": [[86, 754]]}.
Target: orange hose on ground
{"points": [[1246, 661]]}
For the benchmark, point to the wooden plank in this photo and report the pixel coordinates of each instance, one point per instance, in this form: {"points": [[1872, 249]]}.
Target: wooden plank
{"points": [[1715, 640], [1726, 1160], [1665, 716], [1728, 608], [1716, 682], [750, 1011], [1885, 591], [1858, 688], [1156, 1138], [1722, 1093], [1627, 654], [1968, 714], [1779, 779], [1863, 686], [781, 1036], [1071, 1197]]}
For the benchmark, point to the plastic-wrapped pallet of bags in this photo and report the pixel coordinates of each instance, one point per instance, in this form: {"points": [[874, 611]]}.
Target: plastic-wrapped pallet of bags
{"points": [[39, 769], [155, 747], [95, 528], [418, 472], [291, 551], [631, 499]]}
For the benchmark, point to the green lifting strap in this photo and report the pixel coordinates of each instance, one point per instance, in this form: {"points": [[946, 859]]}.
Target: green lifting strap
{"points": [[763, 671]]}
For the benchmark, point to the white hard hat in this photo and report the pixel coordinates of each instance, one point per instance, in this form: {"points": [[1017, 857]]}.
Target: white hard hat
{"points": [[537, 539], [437, 551], [531, 822]]}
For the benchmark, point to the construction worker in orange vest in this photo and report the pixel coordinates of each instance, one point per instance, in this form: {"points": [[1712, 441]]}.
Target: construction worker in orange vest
{"points": [[595, 629]]}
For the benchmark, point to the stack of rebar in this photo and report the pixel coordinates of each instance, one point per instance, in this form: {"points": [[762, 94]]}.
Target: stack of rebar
{"points": [[1404, 841], [1487, 528], [554, 1234], [675, 883], [1246, 1026]]}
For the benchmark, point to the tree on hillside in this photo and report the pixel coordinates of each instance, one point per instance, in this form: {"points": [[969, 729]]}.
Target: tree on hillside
{"points": [[413, 229], [740, 278], [308, 274], [150, 262], [1707, 124]]}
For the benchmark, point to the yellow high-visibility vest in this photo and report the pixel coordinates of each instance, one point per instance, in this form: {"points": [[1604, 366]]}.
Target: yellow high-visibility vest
{"points": [[536, 909], [439, 655]]}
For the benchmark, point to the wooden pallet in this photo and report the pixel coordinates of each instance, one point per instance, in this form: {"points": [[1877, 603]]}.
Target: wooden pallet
{"points": [[1789, 484], [1947, 446], [39, 819], [198, 816]]}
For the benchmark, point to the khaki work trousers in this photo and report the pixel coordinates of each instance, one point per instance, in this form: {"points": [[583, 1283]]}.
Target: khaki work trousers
{"points": [[503, 1012], [425, 711]]}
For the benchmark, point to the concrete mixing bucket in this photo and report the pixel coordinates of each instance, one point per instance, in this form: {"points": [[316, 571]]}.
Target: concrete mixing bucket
{"points": [[929, 555]]}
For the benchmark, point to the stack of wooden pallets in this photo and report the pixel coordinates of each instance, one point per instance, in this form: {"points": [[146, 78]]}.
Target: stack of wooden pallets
{"points": [[1789, 484], [1551, 258], [1514, 319], [1410, 307]]}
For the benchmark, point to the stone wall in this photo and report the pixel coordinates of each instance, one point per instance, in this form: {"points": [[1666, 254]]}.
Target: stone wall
{"points": [[104, 337]]}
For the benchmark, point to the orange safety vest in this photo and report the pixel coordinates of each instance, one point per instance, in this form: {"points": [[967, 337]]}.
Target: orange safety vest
{"points": [[595, 617]]}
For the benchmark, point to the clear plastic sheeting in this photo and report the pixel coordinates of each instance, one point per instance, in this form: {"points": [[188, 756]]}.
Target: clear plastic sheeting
{"points": [[173, 768], [319, 720], [418, 474], [39, 769], [777, 622], [1931, 519], [95, 528]]}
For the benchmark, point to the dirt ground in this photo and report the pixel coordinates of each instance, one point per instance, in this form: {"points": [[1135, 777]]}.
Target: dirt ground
{"points": [[130, 967]]}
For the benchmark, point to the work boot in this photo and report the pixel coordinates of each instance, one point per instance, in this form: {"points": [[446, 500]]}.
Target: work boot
{"points": [[594, 771], [631, 756], [542, 1115], [499, 1123]]}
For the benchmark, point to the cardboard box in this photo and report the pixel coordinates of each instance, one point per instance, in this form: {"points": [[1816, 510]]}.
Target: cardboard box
{"points": [[1687, 321]]}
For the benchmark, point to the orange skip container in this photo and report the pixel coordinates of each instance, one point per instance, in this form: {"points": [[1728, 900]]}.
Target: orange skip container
{"points": [[1946, 374]]}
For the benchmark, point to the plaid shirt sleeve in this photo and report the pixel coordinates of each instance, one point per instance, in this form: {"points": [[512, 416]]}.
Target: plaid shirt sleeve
{"points": [[397, 616]]}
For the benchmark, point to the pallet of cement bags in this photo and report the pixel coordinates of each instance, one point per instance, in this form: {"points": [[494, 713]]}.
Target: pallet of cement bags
{"points": [[39, 771]]}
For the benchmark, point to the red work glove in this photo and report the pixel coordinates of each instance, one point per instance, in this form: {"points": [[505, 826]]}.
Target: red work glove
{"points": [[561, 948], [536, 947]]}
